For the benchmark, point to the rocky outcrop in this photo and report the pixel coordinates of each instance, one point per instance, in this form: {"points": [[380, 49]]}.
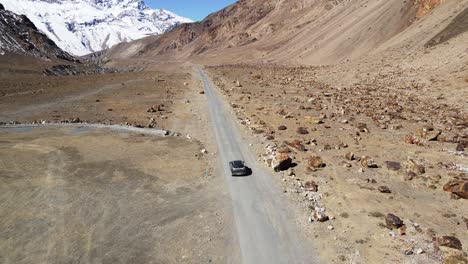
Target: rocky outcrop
{"points": [[19, 35], [393, 221], [281, 162], [458, 187], [76, 69]]}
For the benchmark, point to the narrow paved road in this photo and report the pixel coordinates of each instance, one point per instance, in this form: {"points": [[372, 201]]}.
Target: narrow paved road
{"points": [[265, 229]]}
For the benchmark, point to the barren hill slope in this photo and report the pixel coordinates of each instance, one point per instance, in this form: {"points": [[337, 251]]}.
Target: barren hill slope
{"points": [[304, 32]]}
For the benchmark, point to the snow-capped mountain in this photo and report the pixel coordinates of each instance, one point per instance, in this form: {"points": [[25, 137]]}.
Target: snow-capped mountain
{"points": [[18, 35], [85, 26]]}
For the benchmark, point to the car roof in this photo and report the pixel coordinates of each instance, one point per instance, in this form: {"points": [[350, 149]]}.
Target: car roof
{"points": [[237, 163]]}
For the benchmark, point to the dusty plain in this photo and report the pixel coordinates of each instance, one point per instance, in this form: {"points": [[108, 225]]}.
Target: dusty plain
{"points": [[73, 193]]}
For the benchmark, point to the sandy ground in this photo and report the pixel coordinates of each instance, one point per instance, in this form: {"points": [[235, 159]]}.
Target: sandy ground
{"points": [[95, 196], [100, 196], [265, 97]]}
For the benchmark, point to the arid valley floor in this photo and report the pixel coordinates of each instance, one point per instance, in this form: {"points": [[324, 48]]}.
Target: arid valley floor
{"points": [[351, 115]]}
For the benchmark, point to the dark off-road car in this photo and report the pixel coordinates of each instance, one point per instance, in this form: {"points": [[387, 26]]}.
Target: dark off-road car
{"points": [[238, 168]]}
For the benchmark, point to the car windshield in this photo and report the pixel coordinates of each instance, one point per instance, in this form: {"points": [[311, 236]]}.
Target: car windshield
{"points": [[238, 164]]}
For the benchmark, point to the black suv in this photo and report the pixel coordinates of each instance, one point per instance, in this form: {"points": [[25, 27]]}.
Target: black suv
{"points": [[238, 168]]}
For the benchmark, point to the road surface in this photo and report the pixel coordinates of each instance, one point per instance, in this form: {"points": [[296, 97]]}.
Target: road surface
{"points": [[265, 229]]}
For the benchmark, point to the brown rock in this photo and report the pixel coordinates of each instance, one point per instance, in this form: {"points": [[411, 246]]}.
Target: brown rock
{"points": [[315, 162], [282, 127], [402, 230], [156, 108], [411, 139], [362, 127], [314, 120], [415, 167], [410, 176], [455, 259], [384, 189], [297, 144], [75, 120], [311, 186], [449, 241], [393, 165], [458, 187], [349, 156], [462, 146], [283, 149], [393, 221], [320, 216], [368, 162], [428, 133], [281, 162], [302, 131]]}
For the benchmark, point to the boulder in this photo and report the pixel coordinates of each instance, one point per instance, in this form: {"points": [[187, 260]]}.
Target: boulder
{"points": [[297, 144], [458, 187], [283, 149], [411, 139], [282, 127], [393, 165], [428, 133], [449, 241], [384, 189], [393, 221], [368, 162], [281, 162], [415, 167], [461, 146], [350, 156], [75, 120], [362, 127], [455, 259], [311, 186], [314, 120], [315, 162], [319, 215], [302, 131]]}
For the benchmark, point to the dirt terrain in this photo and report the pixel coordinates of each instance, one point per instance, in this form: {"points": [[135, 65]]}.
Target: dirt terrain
{"points": [[124, 193], [337, 134], [357, 109], [97, 196]]}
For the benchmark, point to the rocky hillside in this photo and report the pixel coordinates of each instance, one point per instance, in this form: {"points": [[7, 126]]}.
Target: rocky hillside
{"points": [[303, 31], [19, 35], [84, 26]]}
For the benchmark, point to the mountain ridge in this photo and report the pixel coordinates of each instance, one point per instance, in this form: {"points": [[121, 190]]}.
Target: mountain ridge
{"points": [[86, 26], [298, 31]]}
